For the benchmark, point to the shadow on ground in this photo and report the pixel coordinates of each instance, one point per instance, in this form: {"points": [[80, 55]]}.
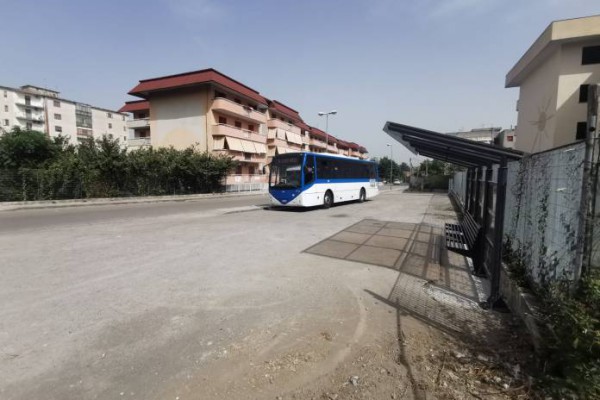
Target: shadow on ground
{"points": [[437, 288]]}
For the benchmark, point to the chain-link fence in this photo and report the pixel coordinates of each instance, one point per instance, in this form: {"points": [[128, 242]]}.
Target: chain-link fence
{"points": [[543, 207], [543, 213]]}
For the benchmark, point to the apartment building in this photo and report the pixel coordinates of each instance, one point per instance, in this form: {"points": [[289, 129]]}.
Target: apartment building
{"points": [[216, 113], [505, 138], [552, 77], [481, 135], [41, 109]]}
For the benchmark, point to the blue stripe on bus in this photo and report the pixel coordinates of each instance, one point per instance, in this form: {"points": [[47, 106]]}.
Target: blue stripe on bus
{"points": [[284, 196]]}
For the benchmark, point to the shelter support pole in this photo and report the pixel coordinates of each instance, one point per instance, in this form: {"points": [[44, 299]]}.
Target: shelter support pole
{"points": [[476, 209], [496, 268], [467, 199]]}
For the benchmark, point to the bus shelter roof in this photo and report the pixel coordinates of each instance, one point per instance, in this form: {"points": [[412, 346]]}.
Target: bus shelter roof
{"points": [[449, 148]]}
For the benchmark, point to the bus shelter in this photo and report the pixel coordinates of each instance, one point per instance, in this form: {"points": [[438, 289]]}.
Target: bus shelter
{"points": [[484, 197]]}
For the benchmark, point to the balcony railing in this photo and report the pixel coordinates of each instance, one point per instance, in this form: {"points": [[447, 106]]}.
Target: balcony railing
{"points": [[232, 131], [227, 106], [317, 143], [139, 142], [138, 123], [277, 123], [25, 103], [247, 157], [31, 118]]}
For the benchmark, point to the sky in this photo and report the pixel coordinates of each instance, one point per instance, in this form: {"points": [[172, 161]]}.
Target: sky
{"points": [[434, 64]]}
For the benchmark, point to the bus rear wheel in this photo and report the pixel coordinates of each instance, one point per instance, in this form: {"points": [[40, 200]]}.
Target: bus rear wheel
{"points": [[362, 196], [328, 199]]}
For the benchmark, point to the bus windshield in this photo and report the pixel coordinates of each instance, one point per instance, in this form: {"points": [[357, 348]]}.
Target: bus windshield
{"points": [[286, 172]]}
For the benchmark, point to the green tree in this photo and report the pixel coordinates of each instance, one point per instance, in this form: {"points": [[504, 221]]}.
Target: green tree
{"points": [[27, 149]]}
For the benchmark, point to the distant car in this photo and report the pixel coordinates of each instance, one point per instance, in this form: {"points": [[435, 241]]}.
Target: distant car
{"points": [[397, 182]]}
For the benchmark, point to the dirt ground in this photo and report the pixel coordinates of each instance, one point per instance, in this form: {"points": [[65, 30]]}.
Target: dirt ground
{"points": [[404, 351]]}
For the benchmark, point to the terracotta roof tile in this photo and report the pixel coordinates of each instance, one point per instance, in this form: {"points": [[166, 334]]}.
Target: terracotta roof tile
{"points": [[137, 105], [194, 78]]}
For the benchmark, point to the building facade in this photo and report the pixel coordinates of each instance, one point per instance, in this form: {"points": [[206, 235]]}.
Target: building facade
{"points": [[481, 135], [552, 77], [40, 109], [216, 113]]}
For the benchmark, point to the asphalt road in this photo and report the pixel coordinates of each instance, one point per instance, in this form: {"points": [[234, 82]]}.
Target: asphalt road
{"points": [[180, 300], [89, 214]]}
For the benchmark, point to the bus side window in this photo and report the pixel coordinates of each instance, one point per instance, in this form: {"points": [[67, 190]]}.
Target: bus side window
{"points": [[309, 170]]}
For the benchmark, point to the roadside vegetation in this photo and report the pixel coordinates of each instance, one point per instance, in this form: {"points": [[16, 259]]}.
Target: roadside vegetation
{"points": [[571, 359], [36, 167]]}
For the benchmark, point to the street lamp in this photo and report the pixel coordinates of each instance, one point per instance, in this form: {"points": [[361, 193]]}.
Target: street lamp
{"points": [[391, 164], [326, 114]]}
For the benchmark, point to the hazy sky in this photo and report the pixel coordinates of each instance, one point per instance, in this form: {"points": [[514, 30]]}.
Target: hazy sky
{"points": [[436, 64]]}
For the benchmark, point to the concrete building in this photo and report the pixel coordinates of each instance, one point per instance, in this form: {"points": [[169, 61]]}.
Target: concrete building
{"points": [[552, 77], [32, 107], [218, 114], [482, 135], [505, 138]]}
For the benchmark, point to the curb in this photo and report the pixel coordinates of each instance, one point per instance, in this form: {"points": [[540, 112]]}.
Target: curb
{"points": [[32, 205]]}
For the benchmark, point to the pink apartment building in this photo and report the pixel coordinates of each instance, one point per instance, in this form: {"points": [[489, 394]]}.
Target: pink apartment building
{"points": [[221, 115]]}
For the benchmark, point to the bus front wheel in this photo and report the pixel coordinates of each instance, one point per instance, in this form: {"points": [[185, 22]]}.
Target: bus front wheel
{"points": [[328, 199], [362, 196]]}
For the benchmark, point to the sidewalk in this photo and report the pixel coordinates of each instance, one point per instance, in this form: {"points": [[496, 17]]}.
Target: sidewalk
{"points": [[20, 205]]}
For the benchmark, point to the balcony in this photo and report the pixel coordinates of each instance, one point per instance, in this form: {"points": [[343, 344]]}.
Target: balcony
{"points": [[278, 143], [277, 123], [229, 107], [29, 104], [232, 131], [36, 119], [317, 143], [139, 142], [243, 157], [138, 123]]}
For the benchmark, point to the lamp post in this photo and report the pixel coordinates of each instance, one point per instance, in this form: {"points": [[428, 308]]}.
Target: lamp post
{"points": [[326, 114], [391, 164]]}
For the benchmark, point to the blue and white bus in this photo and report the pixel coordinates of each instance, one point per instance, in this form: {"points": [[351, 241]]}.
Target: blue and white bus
{"points": [[316, 179]]}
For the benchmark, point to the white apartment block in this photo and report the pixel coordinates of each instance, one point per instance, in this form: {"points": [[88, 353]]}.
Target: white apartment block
{"points": [[553, 77], [40, 109]]}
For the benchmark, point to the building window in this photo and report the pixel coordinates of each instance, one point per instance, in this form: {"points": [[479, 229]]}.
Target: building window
{"points": [[237, 101], [109, 115], [583, 93], [251, 170], [222, 120], [28, 126], [124, 129], [510, 138], [110, 136], [251, 128], [220, 94], [109, 126], [5, 93], [123, 118], [238, 170], [6, 108], [5, 122], [124, 138], [58, 128], [581, 131], [238, 124], [56, 103], [57, 117], [590, 55]]}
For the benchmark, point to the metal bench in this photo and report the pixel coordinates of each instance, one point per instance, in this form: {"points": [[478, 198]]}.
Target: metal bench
{"points": [[464, 237]]}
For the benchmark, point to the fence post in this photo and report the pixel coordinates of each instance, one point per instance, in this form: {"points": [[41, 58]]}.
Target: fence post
{"points": [[498, 234], [584, 255], [23, 186]]}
